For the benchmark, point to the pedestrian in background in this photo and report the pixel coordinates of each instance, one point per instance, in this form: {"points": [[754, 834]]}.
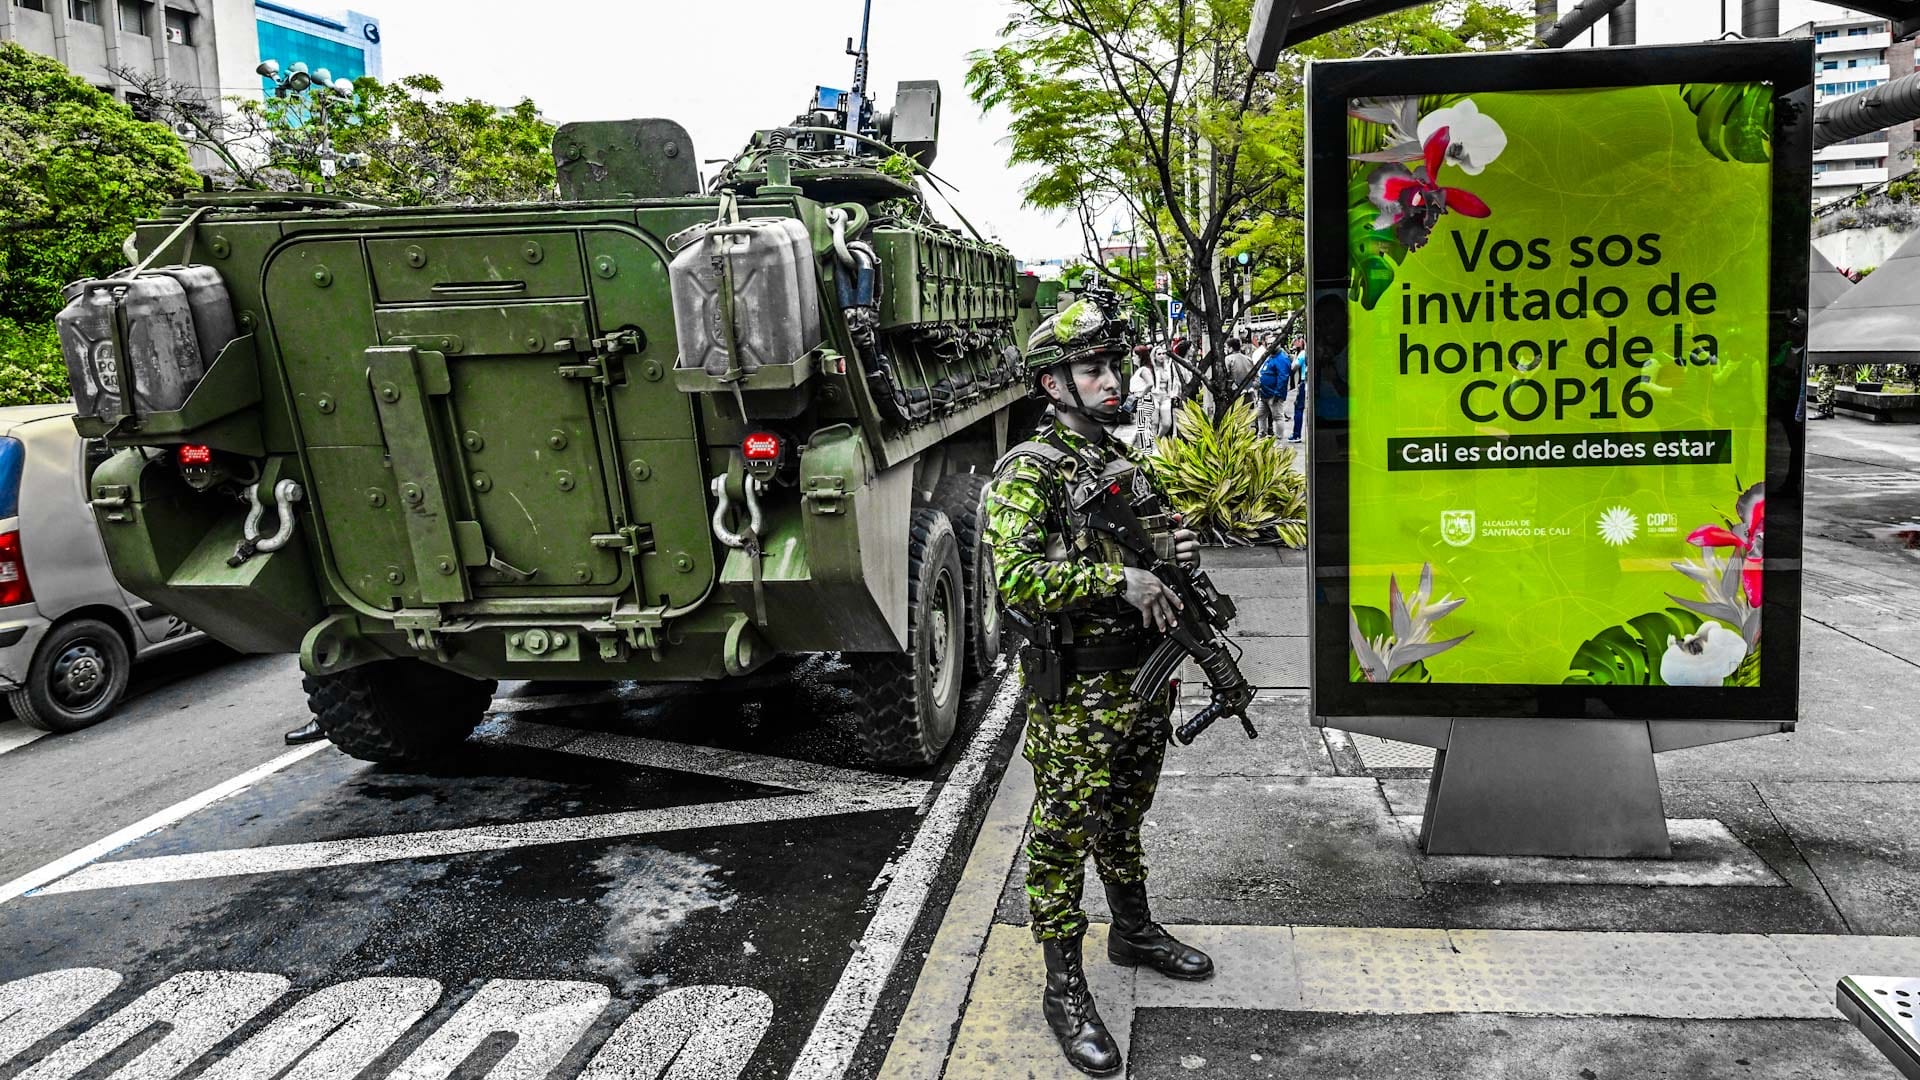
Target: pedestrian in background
{"points": [[1300, 387], [1151, 393], [1276, 373], [1240, 368]]}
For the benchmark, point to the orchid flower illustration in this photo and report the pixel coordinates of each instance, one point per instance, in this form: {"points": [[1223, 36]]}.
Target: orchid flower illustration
{"points": [[1476, 137], [1703, 658], [1412, 637], [1731, 584], [1744, 537], [1401, 117], [1411, 201]]}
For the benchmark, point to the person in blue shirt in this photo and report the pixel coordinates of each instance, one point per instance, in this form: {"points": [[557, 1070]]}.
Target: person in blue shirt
{"points": [[1300, 387], [1275, 371]]}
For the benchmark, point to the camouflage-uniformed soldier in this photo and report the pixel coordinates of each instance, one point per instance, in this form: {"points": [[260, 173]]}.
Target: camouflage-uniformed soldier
{"points": [[1096, 749]]}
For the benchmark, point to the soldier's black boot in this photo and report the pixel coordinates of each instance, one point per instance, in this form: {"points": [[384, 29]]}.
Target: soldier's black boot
{"points": [[1068, 1005], [1136, 939]]}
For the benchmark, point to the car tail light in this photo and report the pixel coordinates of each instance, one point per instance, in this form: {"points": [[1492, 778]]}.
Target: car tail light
{"points": [[196, 455], [761, 446], [13, 572]]}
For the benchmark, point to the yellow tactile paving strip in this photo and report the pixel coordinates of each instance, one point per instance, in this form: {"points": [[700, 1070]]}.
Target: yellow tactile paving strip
{"points": [[1401, 971]]}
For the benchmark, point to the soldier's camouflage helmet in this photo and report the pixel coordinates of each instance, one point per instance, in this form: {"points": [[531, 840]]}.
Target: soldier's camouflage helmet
{"points": [[1083, 328]]}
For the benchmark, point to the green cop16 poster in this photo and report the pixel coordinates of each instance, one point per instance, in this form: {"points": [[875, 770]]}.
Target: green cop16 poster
{"points": [[1558, 315]]}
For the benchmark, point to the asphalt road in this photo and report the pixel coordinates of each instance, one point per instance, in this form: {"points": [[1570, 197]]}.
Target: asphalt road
{"points": [[594, 886]]}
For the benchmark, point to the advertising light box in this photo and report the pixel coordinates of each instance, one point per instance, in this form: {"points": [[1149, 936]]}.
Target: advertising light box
{"points": [[1558, 334]]}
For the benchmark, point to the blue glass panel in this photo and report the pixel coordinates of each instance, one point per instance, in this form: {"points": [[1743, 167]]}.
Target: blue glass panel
{"points": [[290, 46], [12, 456]]}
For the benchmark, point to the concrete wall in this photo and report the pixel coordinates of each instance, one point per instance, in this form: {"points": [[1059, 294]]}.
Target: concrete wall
{"points": [[1860, 248]]}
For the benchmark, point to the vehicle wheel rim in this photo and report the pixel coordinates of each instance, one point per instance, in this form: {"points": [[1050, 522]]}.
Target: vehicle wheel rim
{"points": [[942, 657], [80, 677], [988, 599]]}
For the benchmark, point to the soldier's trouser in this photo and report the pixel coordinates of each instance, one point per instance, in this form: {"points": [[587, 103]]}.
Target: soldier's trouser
{"points": [[1096, 758]]}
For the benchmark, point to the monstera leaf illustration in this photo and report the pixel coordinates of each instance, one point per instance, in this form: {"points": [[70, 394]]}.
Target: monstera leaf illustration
{"points": [[1734, 120], [1629, 654]]}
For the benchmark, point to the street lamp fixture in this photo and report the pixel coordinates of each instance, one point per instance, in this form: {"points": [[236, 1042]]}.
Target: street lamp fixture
{"points": [[299, 80]]}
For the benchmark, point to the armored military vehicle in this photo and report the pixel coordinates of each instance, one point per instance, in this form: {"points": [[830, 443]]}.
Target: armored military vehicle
{"points": [[660, 430]]}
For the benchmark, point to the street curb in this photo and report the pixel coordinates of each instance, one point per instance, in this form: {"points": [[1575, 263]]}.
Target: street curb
{"points": [[926, 1033]]}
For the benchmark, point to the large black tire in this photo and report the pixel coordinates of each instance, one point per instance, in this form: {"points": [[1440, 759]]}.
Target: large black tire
{"points": [[963, 498], [909, 703], [78, 674], [397, 711]]}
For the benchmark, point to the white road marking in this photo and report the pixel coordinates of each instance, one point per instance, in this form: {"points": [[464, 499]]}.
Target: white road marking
{"points": [[16, 735], [336, 1032], [692, 1033], [836, 1034], [546, 1017], [691, 758], [39, 1005], [200, 1010], [72, 861], [281, 858], [687, 1033]]}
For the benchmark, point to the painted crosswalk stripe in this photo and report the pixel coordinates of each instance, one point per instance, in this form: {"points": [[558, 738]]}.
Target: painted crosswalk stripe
{"points": [[16, 735], [283, 858], [908, 881], [688, 757], [106, 845]]}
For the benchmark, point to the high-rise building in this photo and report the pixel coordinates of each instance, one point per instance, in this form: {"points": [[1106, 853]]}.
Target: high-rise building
{"points": [[204, 44], [344, 43], [1852, 53]]}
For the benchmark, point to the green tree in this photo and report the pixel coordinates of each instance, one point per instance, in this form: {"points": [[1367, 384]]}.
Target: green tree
{"points": [[1150, 107], [76, 171], [402, 142]]}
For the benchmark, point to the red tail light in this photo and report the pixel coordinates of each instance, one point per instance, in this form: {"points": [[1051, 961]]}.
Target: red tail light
{"points": [[13, 572], [196, 455], [761, 446]]}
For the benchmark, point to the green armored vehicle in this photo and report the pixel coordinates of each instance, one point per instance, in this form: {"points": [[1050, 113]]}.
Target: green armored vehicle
{"points": [[651, 432]]}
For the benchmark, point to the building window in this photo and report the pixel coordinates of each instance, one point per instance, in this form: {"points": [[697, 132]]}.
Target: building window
{"points": [[1829, 65], [179, 27], [84, 11], [133, 17], [290, 46], [31, 5]]}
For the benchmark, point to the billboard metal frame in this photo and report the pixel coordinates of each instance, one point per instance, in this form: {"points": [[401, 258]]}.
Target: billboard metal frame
{"points": [[1584, 749]]}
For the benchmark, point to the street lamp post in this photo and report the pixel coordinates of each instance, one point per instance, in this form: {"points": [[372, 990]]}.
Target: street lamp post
{"points": [[298, 80]]}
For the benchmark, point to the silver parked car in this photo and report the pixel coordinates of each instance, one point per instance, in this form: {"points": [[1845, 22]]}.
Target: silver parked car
{"points": [[68, 631]]}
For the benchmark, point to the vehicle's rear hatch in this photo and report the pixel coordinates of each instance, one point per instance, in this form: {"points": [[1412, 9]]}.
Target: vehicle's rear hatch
{"points": [[465, 436]]}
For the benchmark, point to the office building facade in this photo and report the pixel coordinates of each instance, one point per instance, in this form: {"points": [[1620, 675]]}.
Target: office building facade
{"points": [[346, 44], [1853, 53], [207, 45]]}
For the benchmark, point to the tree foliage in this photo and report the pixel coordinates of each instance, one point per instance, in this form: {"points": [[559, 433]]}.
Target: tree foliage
{"points": [[1150, 109], [76, 171], [401, 142]]}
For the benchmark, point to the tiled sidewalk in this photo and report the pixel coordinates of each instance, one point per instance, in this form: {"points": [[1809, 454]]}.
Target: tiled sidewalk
{"points": [[1345, 951]]}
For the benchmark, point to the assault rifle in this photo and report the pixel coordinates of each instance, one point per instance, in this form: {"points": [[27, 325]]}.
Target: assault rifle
{"points": [[1111, 507]]}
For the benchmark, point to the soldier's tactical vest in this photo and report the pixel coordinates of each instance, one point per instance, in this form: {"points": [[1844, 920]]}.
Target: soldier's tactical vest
{"points": [[1068, 536]]}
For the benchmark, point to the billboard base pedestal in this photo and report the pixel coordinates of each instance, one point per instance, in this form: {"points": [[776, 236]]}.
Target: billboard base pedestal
{"points": [[1546, 787]]}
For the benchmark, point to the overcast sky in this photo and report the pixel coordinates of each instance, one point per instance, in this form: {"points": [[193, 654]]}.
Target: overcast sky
{"points": [[724, 69]]}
